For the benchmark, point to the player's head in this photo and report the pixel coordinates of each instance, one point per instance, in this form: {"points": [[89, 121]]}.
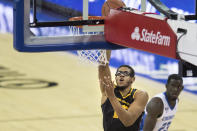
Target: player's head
{"points": [[174, 86], [125, 75]]}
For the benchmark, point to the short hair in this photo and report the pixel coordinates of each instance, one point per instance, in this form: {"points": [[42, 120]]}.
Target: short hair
{"points": [[132, 73], [175, 77]]}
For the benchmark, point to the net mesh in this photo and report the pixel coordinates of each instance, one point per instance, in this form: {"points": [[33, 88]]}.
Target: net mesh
{"points": [[95, 57]]}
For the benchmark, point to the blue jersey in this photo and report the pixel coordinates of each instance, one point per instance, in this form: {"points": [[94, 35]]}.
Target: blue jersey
{"points": [[164, 121]]}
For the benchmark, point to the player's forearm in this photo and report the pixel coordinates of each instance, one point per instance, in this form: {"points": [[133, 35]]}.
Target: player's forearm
{"points": [[103, 71], [149, 123], [125, 117], [148, 128]]}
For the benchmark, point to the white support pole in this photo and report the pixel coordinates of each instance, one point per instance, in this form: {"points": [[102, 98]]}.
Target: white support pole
{"points": [[87, 28], [143, 5], [85, 9]]}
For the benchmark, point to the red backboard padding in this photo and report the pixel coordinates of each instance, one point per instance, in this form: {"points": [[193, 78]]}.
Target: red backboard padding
{"points": [[140, 32]]}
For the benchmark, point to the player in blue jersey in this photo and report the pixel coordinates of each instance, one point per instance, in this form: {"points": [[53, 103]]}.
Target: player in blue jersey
{"points": [[162, 108]]}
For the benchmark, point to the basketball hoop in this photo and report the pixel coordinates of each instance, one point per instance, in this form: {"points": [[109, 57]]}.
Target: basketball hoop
{"points": [[78, 30], [95, 57], [79, 18]]}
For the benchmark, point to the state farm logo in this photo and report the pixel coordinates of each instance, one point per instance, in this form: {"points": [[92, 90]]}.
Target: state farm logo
{"points": [[150, 37]]}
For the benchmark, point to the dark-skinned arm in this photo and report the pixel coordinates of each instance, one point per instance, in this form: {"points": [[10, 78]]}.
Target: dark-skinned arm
{"points": [[154, 110]]}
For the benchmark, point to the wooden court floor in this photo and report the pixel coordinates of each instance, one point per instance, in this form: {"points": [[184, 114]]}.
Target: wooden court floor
{"points": [[53, 92]]}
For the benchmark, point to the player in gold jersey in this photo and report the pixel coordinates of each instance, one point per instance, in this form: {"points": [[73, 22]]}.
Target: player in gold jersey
{"points": [[122, 105]]}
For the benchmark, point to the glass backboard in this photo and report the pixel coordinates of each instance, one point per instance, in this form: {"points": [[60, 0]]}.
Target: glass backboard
{"points": [[43, 25]]}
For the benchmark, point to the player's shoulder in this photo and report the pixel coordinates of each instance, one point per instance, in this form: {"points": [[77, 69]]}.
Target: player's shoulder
{"points": [[141, 94], [156, 101], [155, 106]]}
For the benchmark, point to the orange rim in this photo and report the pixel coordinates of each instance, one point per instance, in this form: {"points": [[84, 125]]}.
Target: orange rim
{"points": [[89, 18]]}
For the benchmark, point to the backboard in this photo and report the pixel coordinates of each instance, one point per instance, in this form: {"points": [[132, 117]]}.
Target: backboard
{"points": [[42, 25], [32, 33]]}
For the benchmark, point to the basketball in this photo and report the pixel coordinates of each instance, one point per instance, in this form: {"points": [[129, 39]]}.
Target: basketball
{"points": [[111, 4]]}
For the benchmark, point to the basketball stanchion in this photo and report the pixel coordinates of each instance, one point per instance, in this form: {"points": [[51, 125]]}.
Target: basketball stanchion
{"points": [[89, 57]]}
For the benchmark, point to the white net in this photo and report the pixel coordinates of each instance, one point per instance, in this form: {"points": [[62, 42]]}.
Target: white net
{"points": [[95, 57]]}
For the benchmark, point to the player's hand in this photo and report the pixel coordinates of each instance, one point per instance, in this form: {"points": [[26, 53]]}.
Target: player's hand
{"points": [[109, 87]]}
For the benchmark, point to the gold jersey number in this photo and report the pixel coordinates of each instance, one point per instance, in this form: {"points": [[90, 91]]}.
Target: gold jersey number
{"points": [[123, 106]]}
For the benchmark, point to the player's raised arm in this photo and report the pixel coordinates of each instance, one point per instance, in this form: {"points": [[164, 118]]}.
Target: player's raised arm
{"points": [[104, 71]]}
